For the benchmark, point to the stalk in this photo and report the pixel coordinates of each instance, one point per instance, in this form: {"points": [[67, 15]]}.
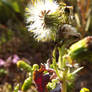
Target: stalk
{"points": [[64, 82], [64, 86]]}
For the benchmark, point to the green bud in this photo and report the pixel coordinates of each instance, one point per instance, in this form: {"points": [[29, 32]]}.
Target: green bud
{"points": [[16, 88], [23, 65], [82, 50], [27, 83], [35, 67], [51, 86]]}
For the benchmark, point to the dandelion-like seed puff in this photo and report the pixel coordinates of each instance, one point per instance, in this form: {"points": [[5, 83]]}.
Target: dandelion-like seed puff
{"points": [[44, 18]]}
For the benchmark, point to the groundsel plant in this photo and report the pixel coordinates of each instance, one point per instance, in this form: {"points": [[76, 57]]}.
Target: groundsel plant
{"points": [[45, 18]]}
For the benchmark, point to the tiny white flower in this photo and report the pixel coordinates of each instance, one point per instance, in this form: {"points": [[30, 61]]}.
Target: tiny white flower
{"points": [[36, 18]]}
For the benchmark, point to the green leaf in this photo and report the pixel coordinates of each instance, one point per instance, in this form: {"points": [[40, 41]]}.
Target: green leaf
{"points": [[27, 83], [16, 6], [2, 72], [84, 90]]}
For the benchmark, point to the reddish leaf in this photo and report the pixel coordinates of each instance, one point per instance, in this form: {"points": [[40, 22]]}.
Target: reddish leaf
{"points": [[41, 79]]}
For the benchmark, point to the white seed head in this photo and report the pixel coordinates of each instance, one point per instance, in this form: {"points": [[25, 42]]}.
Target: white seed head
{"points": [[36, 19]]}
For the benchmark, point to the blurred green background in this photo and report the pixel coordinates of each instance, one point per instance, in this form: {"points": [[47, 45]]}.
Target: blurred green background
{"points": [[14, 37]]}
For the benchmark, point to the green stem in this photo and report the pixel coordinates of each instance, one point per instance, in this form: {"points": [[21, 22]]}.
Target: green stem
{"points": [[64, 82], [60, 58], [54, 62], [64, 86]]}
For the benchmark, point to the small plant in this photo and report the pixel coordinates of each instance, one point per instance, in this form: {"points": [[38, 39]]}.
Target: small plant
{"points": [[61, 72]]}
